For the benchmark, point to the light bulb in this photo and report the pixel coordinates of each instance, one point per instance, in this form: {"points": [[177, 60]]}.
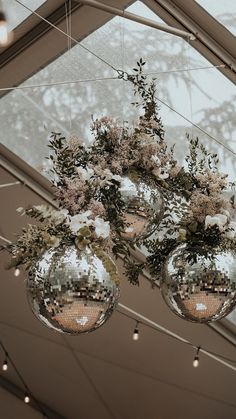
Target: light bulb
{"points": [[3, 30], [26, 399], [196, 358], [136, 333], [5, 365], [196, 362], [17, 272]]}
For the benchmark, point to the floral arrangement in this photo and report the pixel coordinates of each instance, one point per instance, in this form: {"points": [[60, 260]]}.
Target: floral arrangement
{"points": [[88, 184]]}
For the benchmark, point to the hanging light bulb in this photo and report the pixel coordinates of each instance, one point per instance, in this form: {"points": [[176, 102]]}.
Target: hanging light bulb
{"points": [[5, 365], [17, 272], [26, 398], [5, 35], [3, 30], [136, 332], [196, 358]]}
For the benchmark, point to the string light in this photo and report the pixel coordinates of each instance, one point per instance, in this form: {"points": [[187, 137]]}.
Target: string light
{"points": [[3, 30], [26, 398], [17, 272], [136, 332], [5, 34], [5, 365], [196, 358]]}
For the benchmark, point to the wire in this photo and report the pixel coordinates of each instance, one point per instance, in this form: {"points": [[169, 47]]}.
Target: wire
{"points": [[68, 30], [196, 126], [155, 326], [19, 375], [67, 35], [184, 69], [32, 86]]}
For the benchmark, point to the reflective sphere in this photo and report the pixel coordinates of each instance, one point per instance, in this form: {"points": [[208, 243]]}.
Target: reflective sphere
{"points": [[199, 291], [144, 202], [72, 291]]}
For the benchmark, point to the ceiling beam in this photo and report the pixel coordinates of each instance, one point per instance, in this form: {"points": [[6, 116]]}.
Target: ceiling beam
{"points": [[213, 40], [136, 18]]}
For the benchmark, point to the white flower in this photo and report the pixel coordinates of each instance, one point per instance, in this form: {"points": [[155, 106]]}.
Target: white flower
{"points": [[219, 220], [117, 177], [156, 159], [64, 212], [85, 174], [231, 234], [80, 220], [102, 228]]}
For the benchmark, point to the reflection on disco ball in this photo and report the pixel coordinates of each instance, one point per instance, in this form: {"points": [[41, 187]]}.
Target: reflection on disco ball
{"points": [[72, 291], [144, 202], [202, 291]]}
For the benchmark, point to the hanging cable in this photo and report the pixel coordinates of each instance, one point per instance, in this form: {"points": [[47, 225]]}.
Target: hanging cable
{"points": [[189, 83], [69, 50], [196, 126], [64, 33], [58, 83]]}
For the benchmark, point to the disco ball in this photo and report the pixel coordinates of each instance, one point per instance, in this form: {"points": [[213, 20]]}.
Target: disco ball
{"points": [[202, 291], [72, 291], [143, 202]]}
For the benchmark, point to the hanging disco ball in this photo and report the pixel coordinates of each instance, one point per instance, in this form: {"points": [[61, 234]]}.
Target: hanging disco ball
{"points": [[144, 202], [199, 291], [73, 291]]}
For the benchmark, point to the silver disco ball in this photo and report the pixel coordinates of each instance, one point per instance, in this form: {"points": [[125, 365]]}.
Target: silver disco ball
{"points": [[144, 202], [72, 291], [202, 291]]}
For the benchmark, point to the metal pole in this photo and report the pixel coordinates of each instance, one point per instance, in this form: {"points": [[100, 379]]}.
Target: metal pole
{"points": [[137, 18]]}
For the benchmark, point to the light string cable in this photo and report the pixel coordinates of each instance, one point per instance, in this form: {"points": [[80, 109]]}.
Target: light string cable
{"points": [[28, 393], [121, 73], [142, 320], [66, 34], [58, 83]]}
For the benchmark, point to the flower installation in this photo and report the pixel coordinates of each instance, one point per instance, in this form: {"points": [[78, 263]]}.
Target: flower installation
{"points": [[126, 192]]}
